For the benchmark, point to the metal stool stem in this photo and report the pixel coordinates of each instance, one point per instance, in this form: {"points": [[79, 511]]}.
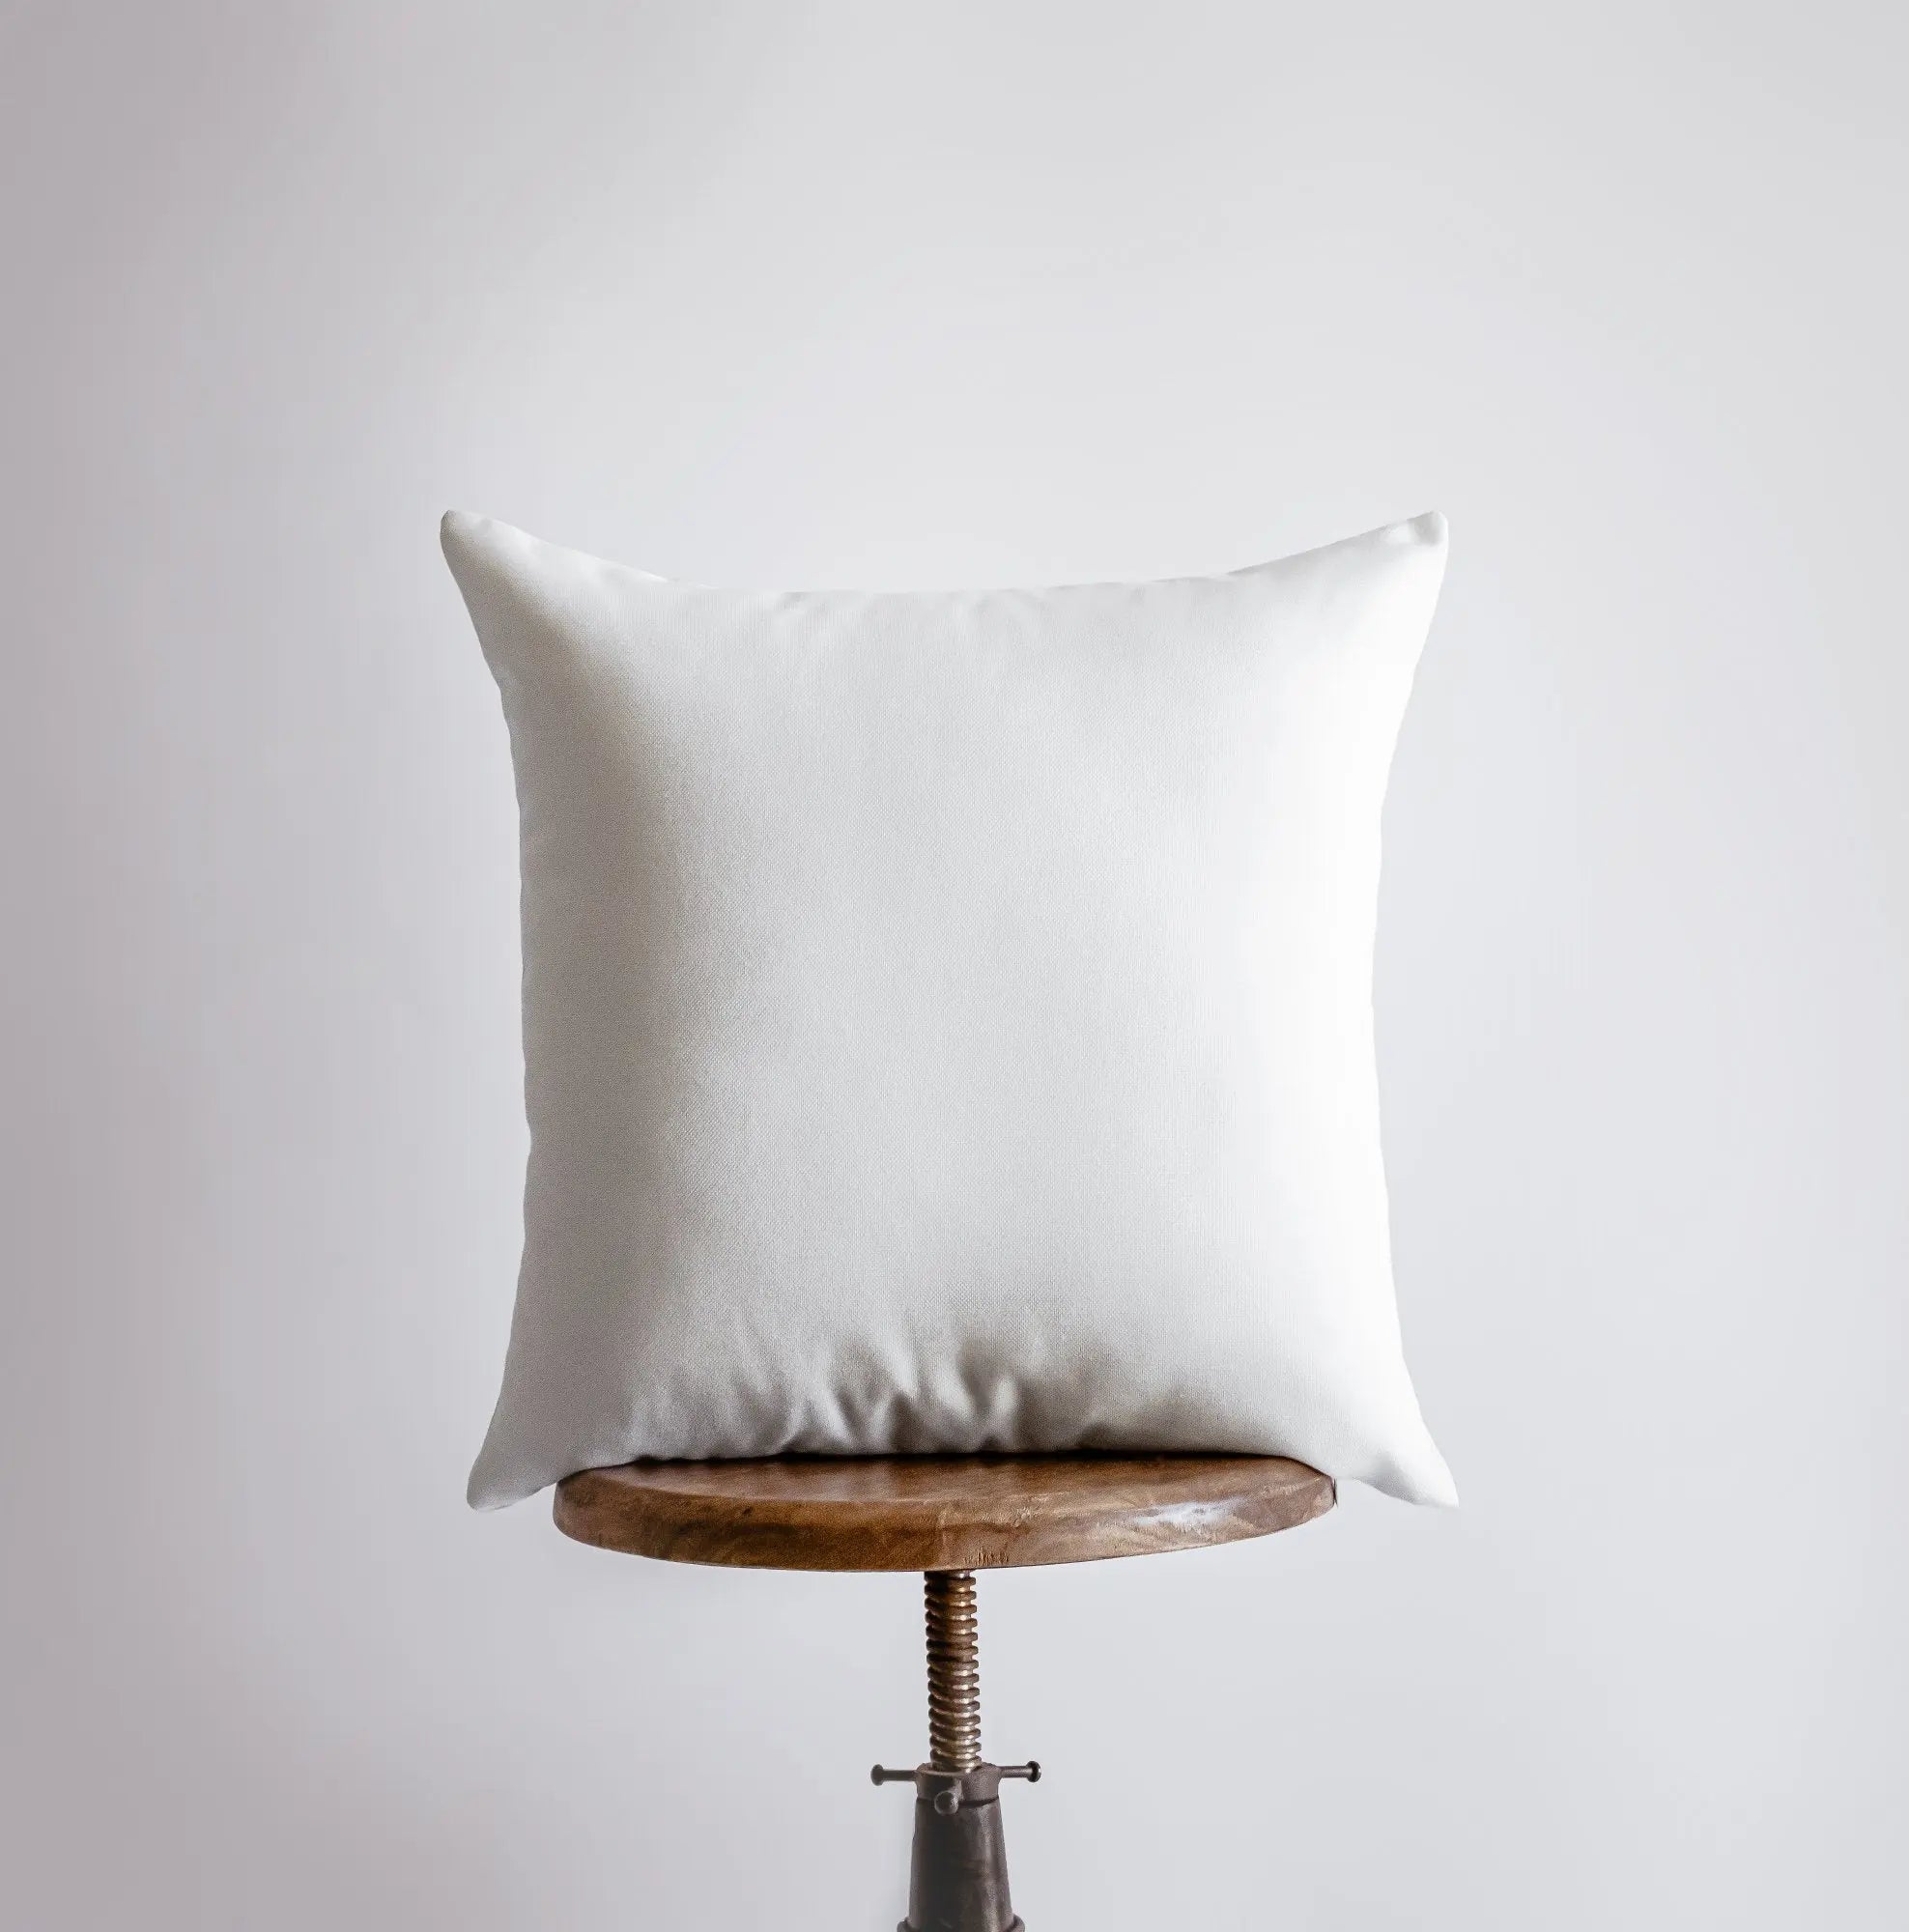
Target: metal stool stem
{"points": [[958, 1874]]}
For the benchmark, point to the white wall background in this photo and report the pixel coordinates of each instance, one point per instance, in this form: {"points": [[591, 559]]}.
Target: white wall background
{"points": [[907, 295]]}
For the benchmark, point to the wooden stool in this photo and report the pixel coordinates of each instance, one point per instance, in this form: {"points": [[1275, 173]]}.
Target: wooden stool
{"points": [[948, 1516]]}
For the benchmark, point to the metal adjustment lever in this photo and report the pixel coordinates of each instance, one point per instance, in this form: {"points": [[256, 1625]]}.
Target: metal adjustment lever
{"points": [[946, 1790]]}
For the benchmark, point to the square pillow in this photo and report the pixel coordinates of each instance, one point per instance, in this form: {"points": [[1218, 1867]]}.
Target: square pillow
{"points": [[948, 1019]]}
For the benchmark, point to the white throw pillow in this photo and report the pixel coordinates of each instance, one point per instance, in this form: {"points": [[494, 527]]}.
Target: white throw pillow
{"points": [[948, 1019]]}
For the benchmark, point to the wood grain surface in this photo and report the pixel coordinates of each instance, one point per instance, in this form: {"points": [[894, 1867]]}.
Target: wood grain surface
{"points": [[935, 1512]]}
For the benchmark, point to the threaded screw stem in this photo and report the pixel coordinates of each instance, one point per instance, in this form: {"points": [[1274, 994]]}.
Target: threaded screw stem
{"points": [[953, 1670]]}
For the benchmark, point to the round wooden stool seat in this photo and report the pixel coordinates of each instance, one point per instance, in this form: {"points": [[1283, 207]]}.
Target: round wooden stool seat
{"points": [[935, 1512]]}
